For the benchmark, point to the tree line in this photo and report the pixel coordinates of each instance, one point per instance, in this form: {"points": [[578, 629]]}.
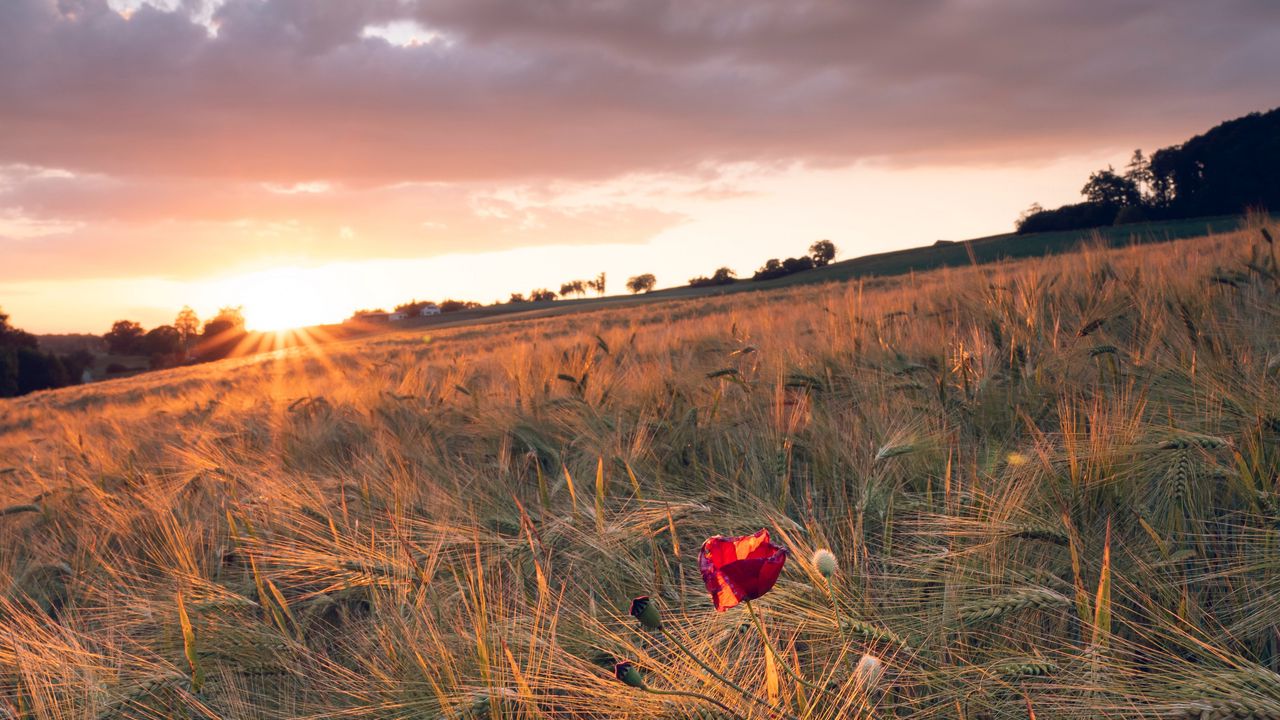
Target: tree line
{"points": [[1227, 170], [25, 367], [186, 340], [821, 253]]}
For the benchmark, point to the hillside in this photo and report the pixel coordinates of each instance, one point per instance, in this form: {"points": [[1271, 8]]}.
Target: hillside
{"points": [[1028, 473], [994, 248]]}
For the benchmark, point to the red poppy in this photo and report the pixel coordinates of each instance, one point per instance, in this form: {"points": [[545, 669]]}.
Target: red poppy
{"points": [[740, 568]]}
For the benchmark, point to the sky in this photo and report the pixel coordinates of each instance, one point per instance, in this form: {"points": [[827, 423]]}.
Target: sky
{"points": [[307, 158]]}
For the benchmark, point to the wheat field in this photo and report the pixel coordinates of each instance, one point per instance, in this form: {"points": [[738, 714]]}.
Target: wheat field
{"points": [[1050, 486]]}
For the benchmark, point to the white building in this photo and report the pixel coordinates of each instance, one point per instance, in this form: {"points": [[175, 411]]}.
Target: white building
{"points": [[429, 309]]}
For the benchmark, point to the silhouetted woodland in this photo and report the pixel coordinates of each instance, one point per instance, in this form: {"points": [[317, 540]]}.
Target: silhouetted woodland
{"points": [[1227, 170], [25, 368]]}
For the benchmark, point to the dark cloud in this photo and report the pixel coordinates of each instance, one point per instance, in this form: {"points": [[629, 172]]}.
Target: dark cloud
{"points": [[292, 90]]}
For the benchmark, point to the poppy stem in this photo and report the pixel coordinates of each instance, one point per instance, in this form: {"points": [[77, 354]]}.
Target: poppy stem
{"points": [[695, 696], [712, 671], [777, 655]]}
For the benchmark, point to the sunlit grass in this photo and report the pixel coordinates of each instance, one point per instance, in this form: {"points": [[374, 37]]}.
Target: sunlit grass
{"points": [[388, 528]]}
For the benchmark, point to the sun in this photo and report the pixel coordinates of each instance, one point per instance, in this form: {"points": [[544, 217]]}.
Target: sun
{"points": [[283, 299]]}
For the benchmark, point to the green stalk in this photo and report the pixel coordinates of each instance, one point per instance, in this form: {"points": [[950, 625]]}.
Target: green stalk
{"points": [[731, 684], [695, 696], [777, 655]]}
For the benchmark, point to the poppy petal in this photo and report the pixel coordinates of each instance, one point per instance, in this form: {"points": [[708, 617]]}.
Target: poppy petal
{"points": [[740, 568]]}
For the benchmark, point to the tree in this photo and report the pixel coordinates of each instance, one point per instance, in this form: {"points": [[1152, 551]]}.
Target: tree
{"points": [[541, 295], [228, 321], [517, 298], [12, 337], [76, 363], [39, 371], [8, 371], [822, 252], [449, 306], [1105, 187], [1139, 173], [642, 283], [598, 284], [1035, 209], [573, 287], [124, 338], [187, 325], [797, 264], [722, 276], [163, 345], [222, 334]]}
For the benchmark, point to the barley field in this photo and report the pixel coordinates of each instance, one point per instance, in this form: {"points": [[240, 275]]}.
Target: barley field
{"points": [[1049, 486]]}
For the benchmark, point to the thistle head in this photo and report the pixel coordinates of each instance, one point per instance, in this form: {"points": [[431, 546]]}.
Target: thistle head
{"points": [[868, 671], [643, 609], [826, 562]]}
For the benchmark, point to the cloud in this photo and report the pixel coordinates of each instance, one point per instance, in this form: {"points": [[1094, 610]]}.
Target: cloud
{"points": [[179, 137], [288, 91], [66, 225]]}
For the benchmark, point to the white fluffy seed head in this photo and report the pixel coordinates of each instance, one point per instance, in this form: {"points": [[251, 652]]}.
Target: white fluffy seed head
{"points": [[868, 672], [825, 562]]}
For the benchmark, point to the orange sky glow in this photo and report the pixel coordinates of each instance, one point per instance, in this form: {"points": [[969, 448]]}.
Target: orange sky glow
{"points": [[307, 159]]}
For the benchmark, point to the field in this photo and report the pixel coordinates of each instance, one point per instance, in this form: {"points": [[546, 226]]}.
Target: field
{"points": [[1050, 485]]}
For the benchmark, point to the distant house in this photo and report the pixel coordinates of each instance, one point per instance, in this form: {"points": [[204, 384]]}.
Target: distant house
{"points": [[397, 316], [371, 316], [429, 309]]}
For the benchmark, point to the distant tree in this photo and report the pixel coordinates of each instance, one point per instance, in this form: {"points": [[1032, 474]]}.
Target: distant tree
{"points": [[642, 283], [23, 367], [722, 276], [12, 337], [517, 298], [222, 334], [413, 307], [124, 338], [598, 284], [164, 346], [541, 295], [822, 252], [1069, 217], [1105, 187], [39, 371], [1138, 172], [797, 264], [774, 268], [1035, 209], [455, 305], [1231, 167], [573, 287], [76, 362], [8, 371], [187, 325], [228, 321]]}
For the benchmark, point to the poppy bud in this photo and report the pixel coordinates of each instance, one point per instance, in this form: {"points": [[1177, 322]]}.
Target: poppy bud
{"points": [[825, 562], [628, 674], [642, 609]]}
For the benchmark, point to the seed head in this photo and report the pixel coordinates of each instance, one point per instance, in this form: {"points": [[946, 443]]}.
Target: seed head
{"points": [[825, 562], [868, 672]]}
